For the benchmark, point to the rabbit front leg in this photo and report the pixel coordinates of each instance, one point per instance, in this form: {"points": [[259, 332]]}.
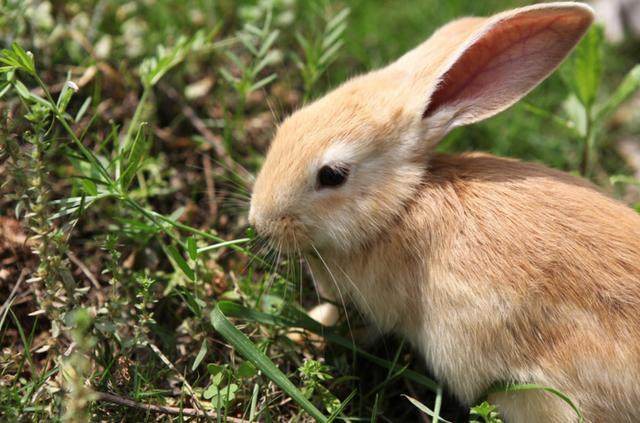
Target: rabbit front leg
{"points": [[326, 313], [532, 406]]}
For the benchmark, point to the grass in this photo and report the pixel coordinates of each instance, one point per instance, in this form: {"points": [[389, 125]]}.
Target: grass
{"points": [[132, 288]]}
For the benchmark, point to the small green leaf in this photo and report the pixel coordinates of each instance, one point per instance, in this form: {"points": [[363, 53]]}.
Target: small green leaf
{"points": [[195, 304], [576, 113], [200, 356], [22, 90], [629, 85], [83, 109], [192, 248], [136, 152], [334, 35], [214, 369], [623, 179], [331, 53], [216, 380], [4, 88], [7, 58], [254, 399], [177, 258], [584, 70], [246, 369], [263, 82], [210, 392], [89, 187], [267, 43], [235, 59], [248, 43], [64, 98], [339, 18]]}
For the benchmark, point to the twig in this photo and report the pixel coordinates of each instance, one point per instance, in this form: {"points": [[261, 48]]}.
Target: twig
{"points": [[114, 399], [186, 384], [223, 157], [7, 303], [84, 269], [197, 123], [208, 179]]}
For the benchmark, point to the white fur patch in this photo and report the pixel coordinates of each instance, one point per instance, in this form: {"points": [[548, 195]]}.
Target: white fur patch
{"points": [[341, 152]]}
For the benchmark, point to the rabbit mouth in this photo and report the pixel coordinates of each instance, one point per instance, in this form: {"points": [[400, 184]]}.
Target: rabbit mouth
{"points": [[284, 234]]}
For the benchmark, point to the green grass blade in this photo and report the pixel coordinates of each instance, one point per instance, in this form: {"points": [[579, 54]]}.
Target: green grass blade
{"points": [[175, 256], [437, 405], [305, 322], [535, 387], [200, 356], [135, 152], [254, 403], [629, 86], [247, 349], [222, 244], [420, 406], [343, 405]]}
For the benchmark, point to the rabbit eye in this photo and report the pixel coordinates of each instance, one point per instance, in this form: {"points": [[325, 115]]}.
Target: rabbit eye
{"points": [[332, 176]]}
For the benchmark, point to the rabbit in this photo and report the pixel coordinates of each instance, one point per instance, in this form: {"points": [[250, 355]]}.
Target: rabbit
{"points": [[495, 270]]}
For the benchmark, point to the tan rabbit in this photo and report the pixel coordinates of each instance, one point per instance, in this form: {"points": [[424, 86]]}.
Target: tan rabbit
{"points": [[495, 270]]}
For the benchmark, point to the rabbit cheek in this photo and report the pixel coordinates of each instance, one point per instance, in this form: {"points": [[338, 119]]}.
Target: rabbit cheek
{"points": [[330, 220]]}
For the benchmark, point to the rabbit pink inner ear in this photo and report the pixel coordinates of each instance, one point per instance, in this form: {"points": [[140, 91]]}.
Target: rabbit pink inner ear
{"points": [[510, 56]]}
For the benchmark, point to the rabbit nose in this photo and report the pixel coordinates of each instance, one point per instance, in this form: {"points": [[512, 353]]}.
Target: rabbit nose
{"points": [[253, 217], [259, 220]]}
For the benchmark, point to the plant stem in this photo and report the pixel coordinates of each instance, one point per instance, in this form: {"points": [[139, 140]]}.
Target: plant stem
{"points": [[135, 121], [162, 409], [588, 151]]}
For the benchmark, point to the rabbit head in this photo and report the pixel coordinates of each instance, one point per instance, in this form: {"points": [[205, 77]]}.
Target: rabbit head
{"points": [[340, 170]]}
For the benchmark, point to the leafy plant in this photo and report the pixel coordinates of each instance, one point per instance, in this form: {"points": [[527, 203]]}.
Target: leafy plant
{"points": [[244, 77], [484, 413], [314, 374], [320, 50], [586, 113], [218, 395], [244, 345]]}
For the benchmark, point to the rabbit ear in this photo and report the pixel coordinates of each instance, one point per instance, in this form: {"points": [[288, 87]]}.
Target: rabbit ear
{"points": [[484, 66]]}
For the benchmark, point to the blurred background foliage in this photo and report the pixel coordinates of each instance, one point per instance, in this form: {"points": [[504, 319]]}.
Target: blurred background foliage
{"points": [[130, 133]]}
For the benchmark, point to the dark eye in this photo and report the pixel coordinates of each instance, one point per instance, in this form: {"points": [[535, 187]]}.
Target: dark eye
{"points": [[332, 176]]}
